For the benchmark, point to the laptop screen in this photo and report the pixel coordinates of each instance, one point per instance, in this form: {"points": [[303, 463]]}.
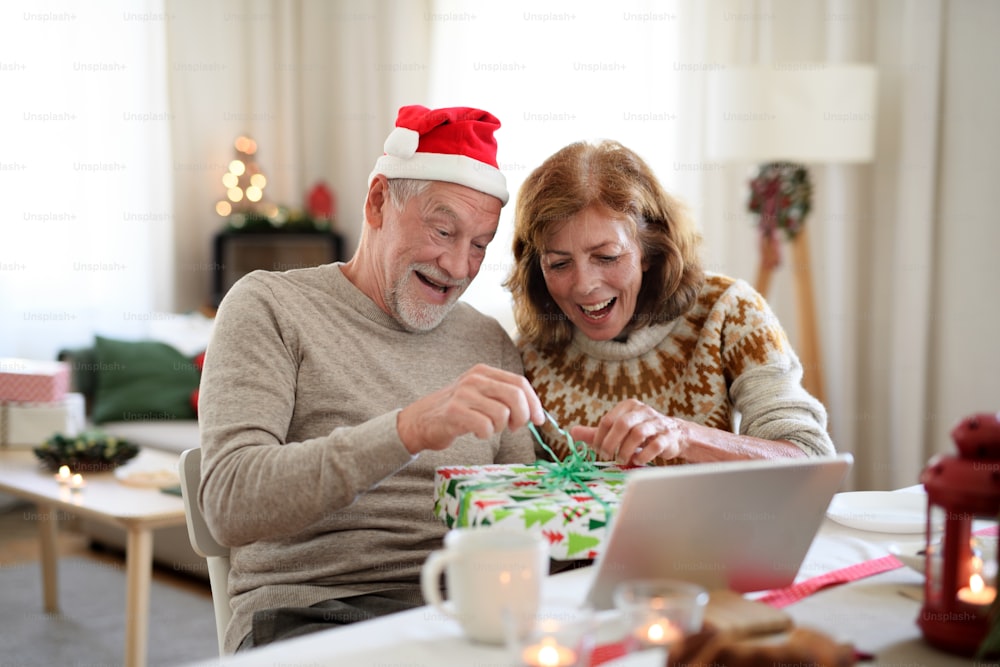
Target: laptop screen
{"points": [[742, 525]]}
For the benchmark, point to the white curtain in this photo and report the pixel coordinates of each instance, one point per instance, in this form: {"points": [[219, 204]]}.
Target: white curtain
{"points": [[315, 83], [85, 173], [555, 73], [900, 247], [119, 122], [904, 258]]}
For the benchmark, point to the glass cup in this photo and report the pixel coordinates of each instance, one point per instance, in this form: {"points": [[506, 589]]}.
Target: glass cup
{"points": [[660, 612], [562, 635]]}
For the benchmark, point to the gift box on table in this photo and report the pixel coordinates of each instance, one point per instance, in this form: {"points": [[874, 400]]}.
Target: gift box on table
{"points": [[574, 518], [27, 425], [33, 381]]}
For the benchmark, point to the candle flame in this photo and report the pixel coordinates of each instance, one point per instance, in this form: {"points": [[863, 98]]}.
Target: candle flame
{"points": [[659, 632], [548, 653], [975, 583]]}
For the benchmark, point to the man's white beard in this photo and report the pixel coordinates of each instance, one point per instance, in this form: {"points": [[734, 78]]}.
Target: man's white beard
{"points": [[414, 313]]}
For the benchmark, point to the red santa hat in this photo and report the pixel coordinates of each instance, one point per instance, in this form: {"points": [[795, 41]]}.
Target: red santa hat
{"points": [[454, 145]]}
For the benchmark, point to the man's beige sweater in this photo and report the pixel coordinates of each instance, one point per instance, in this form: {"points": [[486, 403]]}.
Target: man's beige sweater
{"points": [[303, 472]]}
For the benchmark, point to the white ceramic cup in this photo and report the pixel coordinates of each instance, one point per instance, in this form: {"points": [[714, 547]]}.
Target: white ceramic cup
{"points": [[490, 573]]}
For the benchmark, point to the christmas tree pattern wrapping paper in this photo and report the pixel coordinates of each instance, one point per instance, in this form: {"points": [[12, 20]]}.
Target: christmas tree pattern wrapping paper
{"points": [[574, 516]]}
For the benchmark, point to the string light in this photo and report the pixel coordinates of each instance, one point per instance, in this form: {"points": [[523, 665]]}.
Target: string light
{"points": [[243, 181]]}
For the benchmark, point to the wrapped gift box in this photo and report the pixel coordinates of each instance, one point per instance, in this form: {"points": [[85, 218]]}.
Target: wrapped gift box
{"points": [[33, 381], [27, 425], [574, 520]]}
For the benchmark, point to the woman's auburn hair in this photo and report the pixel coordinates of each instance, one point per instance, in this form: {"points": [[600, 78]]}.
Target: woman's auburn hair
{"points": [[605, 174]]}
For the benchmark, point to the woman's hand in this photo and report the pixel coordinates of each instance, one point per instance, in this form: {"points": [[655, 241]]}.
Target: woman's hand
{"points": [[633, 433]]}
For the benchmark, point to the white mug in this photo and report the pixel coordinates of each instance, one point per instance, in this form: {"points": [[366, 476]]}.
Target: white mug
{"points": [[491, 574]]}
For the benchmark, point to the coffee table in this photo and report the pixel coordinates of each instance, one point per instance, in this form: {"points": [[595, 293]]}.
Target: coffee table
{"points": [[104, 498]]}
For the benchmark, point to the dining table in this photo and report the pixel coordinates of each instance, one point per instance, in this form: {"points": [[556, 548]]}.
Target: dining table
{"points": [[851, 586]]}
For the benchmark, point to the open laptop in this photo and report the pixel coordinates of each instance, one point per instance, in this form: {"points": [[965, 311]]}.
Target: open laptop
{"points": [[742, 525]]}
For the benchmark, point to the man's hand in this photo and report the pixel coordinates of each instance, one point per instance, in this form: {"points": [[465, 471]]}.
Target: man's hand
{"points": [[482, 401]]}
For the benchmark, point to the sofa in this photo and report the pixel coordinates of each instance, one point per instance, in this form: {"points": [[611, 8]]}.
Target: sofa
{"points": [[143, 389]]}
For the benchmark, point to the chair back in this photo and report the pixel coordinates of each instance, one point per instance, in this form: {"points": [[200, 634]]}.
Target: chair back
{"points": [[216, 555]]}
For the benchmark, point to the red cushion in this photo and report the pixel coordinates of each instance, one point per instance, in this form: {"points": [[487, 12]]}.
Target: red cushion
{"points": [[199, 363]]}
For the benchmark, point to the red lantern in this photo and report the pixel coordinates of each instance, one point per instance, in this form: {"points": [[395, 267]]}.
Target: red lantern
{"points": [[963, 503]]}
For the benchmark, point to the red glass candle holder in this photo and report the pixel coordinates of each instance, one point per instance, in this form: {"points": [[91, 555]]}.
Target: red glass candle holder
{"points": [[963, 504]]}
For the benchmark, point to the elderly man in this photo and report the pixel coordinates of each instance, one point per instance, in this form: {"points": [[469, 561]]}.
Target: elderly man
{"points": [[330, 394]]}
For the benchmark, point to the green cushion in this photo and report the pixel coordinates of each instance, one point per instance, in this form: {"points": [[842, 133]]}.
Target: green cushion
{"points": [[142, 380], [83, 369]]}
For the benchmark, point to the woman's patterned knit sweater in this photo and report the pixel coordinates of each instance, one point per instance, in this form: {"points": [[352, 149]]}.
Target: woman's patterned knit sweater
{"points": [[725, 363]]}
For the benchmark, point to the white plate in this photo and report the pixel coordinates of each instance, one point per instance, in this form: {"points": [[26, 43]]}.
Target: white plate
{"points": [[912, 555], [880, 511], [148, 474]]}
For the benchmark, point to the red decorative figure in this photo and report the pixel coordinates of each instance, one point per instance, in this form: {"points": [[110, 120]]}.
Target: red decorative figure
{"points": [[321, 202], [963, 503]]}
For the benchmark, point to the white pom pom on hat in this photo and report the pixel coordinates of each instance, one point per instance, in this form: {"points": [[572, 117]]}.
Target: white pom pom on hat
{"points": [[454, 144], [402, 142]]}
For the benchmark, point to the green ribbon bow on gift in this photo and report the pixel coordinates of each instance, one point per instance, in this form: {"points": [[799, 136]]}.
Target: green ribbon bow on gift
{"points": [[576, 469]]}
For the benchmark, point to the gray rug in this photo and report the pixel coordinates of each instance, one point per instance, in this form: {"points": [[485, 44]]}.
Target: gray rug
{"points": [[90, 628]]}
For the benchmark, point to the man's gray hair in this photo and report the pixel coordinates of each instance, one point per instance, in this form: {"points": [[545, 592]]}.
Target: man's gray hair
{"points": [[402, 189]]}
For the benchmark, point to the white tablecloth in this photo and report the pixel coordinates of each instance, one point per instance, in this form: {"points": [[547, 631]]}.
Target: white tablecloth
{"points": [[877, 614]]}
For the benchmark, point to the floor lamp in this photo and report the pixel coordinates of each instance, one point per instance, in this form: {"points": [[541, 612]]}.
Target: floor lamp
{"points": [[783, 116]]}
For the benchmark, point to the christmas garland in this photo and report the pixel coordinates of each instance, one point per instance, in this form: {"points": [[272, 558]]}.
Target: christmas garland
{"points": [[781, 195], [89, 451], [283, 220]]}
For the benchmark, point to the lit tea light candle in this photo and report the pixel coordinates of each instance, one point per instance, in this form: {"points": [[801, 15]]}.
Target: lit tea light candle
{"points": [[64, 475], [77, 481], [977, 592], [548, 654]]}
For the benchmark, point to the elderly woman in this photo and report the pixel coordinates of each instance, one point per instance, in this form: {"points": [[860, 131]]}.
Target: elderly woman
{"points": [[625, 336]]}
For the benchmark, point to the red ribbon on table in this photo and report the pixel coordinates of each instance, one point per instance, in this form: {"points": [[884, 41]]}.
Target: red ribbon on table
{"points": [[782, 597], [608, 652]]}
